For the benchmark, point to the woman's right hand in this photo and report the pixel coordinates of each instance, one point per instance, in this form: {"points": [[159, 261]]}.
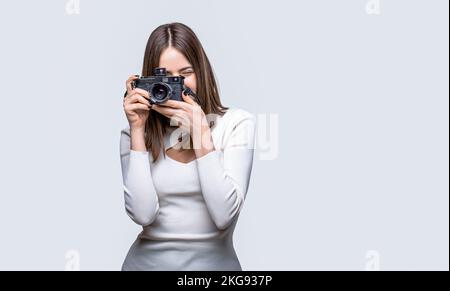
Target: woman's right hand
{"points": [[136, 107]]}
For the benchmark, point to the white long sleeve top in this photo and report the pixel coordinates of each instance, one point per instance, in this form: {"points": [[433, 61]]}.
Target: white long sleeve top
{"points": [[200, 199]]}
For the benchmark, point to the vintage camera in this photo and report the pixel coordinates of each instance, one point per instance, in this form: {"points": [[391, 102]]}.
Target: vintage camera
{"points": [[161, 87]]}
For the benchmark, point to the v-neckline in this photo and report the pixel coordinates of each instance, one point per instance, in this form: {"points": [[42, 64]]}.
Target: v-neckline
{"points": [[179, 162], [168, 145], [171, 146]]}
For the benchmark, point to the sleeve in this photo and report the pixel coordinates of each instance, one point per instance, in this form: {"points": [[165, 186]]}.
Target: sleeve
{"points": [[141, 200], [224, 181]]}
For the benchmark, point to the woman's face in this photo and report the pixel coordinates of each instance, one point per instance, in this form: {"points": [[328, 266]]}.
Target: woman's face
{"points": [[177, 65]]}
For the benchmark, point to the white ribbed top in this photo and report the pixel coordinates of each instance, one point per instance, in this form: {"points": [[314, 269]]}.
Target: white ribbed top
{"points": [[196, 200]]}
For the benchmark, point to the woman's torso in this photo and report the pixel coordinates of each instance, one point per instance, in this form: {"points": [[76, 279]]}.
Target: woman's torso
{"points": [[183, 235]]}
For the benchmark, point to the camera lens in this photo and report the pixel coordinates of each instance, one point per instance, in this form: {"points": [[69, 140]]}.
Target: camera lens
{"points": [[160, 92]]}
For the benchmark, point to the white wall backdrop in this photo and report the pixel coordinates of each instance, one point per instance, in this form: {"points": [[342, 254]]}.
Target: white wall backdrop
{"points": [[358, 90]]}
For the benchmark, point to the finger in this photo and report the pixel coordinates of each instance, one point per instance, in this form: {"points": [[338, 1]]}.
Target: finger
{"points": [[167, 111], [175, 104], [160, 112], [137, 98], [137, 106], [142, 92], [188, 99], [130, 81]]}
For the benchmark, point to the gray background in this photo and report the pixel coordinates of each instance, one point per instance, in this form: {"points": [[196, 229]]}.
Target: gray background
{"points": [[363, 109]]}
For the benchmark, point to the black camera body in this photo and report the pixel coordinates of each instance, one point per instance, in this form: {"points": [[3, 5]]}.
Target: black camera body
{"points": [[161, 87]]}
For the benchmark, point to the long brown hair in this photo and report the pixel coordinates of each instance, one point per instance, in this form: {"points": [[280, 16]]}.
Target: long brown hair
{"points": [[182, 38]]}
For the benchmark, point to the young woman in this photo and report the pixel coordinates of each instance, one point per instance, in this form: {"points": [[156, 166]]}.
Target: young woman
{"points": [[186, 165]]}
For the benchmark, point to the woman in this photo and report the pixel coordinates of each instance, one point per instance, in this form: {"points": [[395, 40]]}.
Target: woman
{"points": [[185, 184]]}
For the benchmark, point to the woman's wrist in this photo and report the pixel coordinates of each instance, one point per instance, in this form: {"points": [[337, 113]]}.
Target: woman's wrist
{"points": [[139, 129], [137, 135]]}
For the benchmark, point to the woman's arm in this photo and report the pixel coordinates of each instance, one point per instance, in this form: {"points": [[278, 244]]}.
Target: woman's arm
{"points": [[141, 200], [225, 182], [224, 179]]}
